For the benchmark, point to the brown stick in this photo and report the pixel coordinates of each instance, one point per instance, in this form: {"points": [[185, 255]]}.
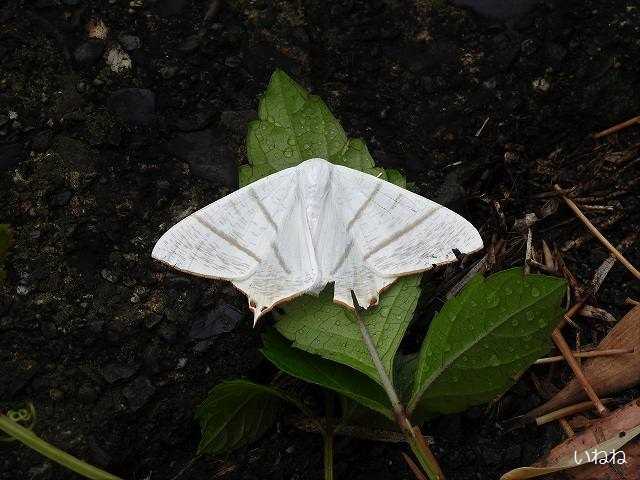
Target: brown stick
{"points": [[561, 343], [587, 354], [566, 411], [568, 431], [413, 467], [614, 251], [617, 128]]}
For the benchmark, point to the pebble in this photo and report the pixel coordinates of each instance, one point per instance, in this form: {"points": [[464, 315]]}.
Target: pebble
{"points": [[168, 333], [61, 199], [195, 121], [138, 393], [87, 394], [118, 60], [223, 319], [238, 120], [129, 42], [10, 156], [541, 85], [502, 9], [108, 275], [114, 372], [209, 156], [528, 47], [88, 53], [167, 8], [135, 106]]}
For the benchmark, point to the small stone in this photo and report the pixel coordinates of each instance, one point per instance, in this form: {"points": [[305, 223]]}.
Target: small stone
{"points": [[118, 60], [556, 53], [97, 454], [195, 121], [168, 8], [168, 333], [108, 275], [223, 319], [87, 394], [129, 42], [138, 393], [182, 362], [209, 156], [190, 43], [541, 85], [56, 394], [97, 29], [501, 9], [202, 346], [237, 121], [61, 199], [528, 47], [233, 61], [512, 454], [136, 106], [10, 156], [88, 53], [22, 290], [114, 372], [152, 320], [168, 71]]}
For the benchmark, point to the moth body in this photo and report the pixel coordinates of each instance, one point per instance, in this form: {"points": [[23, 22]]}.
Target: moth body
{"points": [[299, 229]]}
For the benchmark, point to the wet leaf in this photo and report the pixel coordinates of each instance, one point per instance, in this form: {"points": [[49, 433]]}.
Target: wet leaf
{"points": [[483, 339], [319, 326], [236, 413], [325, 373], [608, 374], [294, 126], [596, 443]]}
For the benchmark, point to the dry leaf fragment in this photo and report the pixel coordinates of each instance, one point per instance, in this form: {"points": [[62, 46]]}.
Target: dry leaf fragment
{"points": [[593, 446], [607, 375], [611, 471]]}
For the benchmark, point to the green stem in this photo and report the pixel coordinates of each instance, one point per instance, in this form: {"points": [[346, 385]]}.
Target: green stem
{"points": [[327, 435], [328, 456], [31, 440], [415, 440]]}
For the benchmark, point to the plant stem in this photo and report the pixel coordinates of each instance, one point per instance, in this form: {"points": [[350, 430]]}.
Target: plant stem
{"points": [[327, 435], [31, 440], [416, 441], [328, 456]]}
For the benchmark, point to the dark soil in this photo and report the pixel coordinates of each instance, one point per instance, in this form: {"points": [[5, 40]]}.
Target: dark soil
{"points": [[95, 165]]}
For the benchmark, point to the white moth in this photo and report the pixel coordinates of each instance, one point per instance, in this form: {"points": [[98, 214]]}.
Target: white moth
{"points": [[298, 229]]}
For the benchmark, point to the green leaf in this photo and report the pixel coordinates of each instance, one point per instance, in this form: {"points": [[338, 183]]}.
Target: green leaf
{"points": [[405, 374], [294, 126], [236, 413], [319, 326], [325, 373], [484, 339]]}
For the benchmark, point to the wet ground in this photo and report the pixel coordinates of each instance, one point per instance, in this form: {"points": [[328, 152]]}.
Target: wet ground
{"points": [[104, 143]]}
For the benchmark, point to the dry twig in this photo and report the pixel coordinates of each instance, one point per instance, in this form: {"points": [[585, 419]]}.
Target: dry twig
{"points": [[614, 251], [587, 354], [617, 127]]}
